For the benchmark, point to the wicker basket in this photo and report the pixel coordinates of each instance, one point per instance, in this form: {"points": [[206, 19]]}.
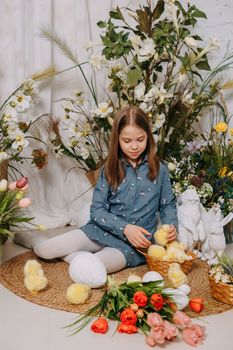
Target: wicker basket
{"points": [[221, 291], [162, 266]]}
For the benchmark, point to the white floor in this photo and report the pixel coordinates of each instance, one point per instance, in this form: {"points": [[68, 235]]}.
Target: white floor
{"points": [[27, 326]]}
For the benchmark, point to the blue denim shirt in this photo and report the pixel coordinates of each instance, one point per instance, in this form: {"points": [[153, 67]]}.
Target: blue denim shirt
{"points": [[137, 201]]}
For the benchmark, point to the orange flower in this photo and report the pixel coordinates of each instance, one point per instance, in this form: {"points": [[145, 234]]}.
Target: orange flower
{"points": [[124, 328], [140, 298], [157, 301], [100, 325], [40, 158], [128, 317]]}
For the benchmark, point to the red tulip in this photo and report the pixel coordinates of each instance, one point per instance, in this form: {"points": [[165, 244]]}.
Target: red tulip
{"points": [[157, 301], [100, 325], [22, 182], [196, 304], [140, 298], [128, 317], [124, 328]]}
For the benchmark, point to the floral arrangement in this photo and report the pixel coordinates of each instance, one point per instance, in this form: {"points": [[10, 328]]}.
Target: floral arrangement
{"points": [[141, 307], [152, 60], [207, 164], [223, 270], [17, 128], [86, 133], [13, 200]]}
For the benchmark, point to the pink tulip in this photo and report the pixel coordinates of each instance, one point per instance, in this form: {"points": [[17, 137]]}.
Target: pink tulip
{"points": [[25, 202], [170, 331], [158, 336], [12, 186], [150, 341], [22, 182], [155, 321], [181, 319], [25, 188], [193, 335]]}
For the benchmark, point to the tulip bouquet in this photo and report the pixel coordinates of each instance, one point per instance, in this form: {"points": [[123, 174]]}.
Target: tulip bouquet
{"points": [[141, 307], [12, 202]]}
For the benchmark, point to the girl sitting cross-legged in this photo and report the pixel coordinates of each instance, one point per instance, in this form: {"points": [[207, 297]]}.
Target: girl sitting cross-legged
{"points": [[132, 189]]}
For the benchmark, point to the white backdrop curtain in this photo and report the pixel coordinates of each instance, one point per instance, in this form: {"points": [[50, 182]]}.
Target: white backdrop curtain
{"points": [[55, 190]]}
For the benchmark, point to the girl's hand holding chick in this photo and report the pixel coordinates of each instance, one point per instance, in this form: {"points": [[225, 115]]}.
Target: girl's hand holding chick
{"points": [[171, 233], [136, 236]]}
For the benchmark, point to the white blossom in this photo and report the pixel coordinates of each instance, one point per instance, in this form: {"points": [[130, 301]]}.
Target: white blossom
{"points": [[21, 101], [3, 156], [139, 91], [147, 50], [97, 61], [159, 121], [103, 110], [190, 41]]}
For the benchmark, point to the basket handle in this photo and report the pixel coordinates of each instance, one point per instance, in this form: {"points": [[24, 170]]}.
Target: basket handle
{"points": [[141, 251]]}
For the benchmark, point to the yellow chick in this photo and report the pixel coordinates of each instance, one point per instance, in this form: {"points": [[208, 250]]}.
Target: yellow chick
{"points": [[172, 252], [35, 282], [156, 251], [33, 266], [181, 256], [176, 276], [160, 235], [77, 293], [182, 246], [175, 244]]}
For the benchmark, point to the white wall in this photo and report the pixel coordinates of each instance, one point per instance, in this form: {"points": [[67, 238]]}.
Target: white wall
{"points": [[24, 52]]}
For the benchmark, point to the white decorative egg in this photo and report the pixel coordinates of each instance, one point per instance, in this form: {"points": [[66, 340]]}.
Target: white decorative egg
{"points": [[184, 288], [179, 297], [152, 276], [88, 269]]}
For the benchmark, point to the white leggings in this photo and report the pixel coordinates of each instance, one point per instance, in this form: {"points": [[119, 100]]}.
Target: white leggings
{"points": [[67, 246]]}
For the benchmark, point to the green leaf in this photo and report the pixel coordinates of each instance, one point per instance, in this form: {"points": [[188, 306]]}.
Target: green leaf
{"points": [[197, 37], [116, 14], [159, 9], [133, 76], [203, 65], [101, 24], [198, 13]]}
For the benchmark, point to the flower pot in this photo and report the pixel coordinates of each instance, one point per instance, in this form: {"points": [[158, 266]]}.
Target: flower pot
{"points": [[221, 291], [228, 232], [3, 169], [92, 176]]}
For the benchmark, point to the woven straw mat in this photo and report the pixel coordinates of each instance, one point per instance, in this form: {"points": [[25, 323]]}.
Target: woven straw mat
{"points": [[11, 276]]}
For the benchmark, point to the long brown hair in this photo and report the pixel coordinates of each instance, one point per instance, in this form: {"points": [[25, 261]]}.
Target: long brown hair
{"points": [[114, 167]]}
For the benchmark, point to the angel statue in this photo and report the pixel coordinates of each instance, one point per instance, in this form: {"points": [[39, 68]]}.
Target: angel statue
{"points": [[215, 242], [190, 224]]}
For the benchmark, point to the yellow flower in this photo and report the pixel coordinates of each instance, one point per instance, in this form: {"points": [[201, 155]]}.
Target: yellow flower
{"points": [[221, 127], [19, 195], [231, 131], [222, 171]]}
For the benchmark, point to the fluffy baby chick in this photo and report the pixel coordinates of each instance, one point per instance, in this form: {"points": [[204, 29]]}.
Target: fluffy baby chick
{"points": [[33, 266], [156, 251], [35, 282], [77, 293], [176, 276], [173, 244], [34, 278], [182, 246], [160, 235]]}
